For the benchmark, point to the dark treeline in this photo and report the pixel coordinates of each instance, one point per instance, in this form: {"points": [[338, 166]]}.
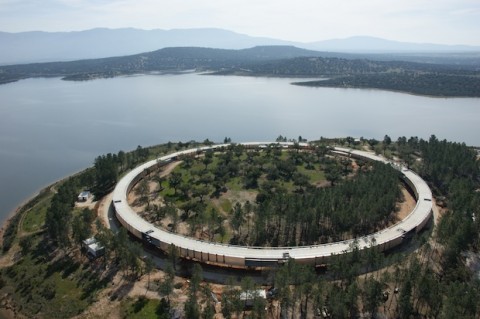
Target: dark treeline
{"points": [[435, 84], [355, 207], [453, 171], [316, 66], [60, 212], [445, 163]]}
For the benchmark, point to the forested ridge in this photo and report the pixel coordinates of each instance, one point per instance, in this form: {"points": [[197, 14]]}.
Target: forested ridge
{"points": [[167, 59], [447, 85], [416, 78], [50, 278], [342, 70]]}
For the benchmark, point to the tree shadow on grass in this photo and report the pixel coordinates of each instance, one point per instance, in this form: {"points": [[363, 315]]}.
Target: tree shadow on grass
{"points": [[70, 269], [66, 265], [163, 309], [43, 251], [95, 281], [139, 304], [122, 290], [93, 286]]}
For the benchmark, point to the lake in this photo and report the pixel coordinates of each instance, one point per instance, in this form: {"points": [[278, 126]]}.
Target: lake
{"points": [[50, 128]]}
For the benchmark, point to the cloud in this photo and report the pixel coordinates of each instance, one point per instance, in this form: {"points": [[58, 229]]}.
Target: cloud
{"points": [[467, 12]]}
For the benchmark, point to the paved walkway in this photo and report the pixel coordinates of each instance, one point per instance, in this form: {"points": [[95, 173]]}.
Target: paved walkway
{"points": [[230, 255]]}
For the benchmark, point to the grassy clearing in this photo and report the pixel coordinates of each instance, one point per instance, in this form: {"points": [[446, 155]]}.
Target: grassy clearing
{"points": [[143, 308], [10, 233], [316, 175], [235, 184], [35, 218], [226, 205], [167, 190]]}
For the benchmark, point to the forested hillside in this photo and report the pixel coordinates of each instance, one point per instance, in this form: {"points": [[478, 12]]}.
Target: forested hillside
{"points": [[342, 70], [447, 85], [416, 78], [167, 59]]}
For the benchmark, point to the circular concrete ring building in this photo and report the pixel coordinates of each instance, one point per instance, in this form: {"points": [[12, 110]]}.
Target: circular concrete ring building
{"points": [[245, 257]]}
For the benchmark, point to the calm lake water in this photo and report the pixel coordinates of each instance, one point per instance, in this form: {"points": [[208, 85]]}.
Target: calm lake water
{"points": [[50, 128]]}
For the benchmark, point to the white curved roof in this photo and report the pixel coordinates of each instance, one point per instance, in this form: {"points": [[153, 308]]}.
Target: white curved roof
{"points": [[417, 217]]}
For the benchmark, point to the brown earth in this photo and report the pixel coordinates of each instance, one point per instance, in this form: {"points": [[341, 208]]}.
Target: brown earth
{"points": [[405, 207]]}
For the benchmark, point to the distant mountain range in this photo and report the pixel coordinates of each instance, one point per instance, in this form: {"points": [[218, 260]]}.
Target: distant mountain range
{"points": [[30, 47]]}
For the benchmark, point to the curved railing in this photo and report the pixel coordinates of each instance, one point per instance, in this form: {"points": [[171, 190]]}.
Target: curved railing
{"points": [[244, 256]]}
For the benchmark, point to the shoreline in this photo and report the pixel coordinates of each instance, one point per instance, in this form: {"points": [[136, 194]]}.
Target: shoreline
{"points": [[306, 84], [94, 76], [18, 208]]}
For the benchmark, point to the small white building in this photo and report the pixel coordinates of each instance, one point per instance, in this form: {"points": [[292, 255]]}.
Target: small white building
{"points": [[84, 196], [95, 250], [249, 296], [92, 248], [88, 242]]}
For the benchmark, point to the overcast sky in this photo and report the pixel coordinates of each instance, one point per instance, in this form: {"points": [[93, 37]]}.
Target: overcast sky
{"points": [[431, 21]]}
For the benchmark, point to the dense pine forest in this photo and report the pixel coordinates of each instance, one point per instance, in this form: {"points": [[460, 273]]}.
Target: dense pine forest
{"points": [[44, 274], [356, 207]]}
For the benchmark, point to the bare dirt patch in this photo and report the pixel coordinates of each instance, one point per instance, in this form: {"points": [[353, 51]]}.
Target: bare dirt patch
{"points": [[103, 209], [11, 257], [234, 197], [108, 304], [89, 203], [133, 198], [240, 196], [405, 207]]}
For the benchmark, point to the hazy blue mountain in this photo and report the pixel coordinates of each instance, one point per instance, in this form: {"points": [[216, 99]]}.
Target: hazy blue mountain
{"points": [[362, 44], [29, 47]]}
